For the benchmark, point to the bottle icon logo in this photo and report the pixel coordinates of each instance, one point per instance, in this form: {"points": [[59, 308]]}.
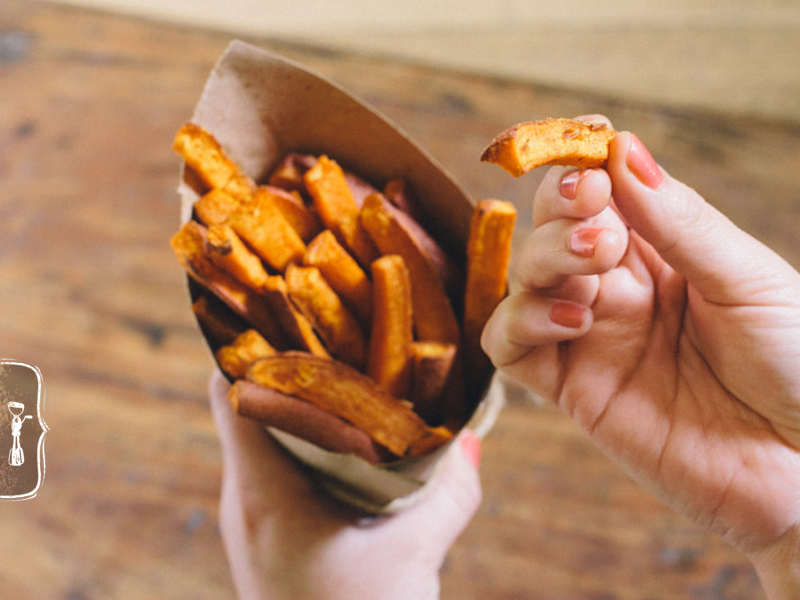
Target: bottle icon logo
{"points": [[22, 430]]}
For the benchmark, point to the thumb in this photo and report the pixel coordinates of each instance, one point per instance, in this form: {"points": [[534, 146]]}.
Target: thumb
{"points": [[721, 261]]}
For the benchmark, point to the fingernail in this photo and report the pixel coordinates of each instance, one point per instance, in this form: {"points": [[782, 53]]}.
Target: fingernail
{"points": [[569, 185], [567, 314], [643, 165], [583, 240], [471, 447]]}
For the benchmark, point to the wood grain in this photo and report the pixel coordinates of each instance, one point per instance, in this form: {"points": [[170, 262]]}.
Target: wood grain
{"points": [[90, 293]]}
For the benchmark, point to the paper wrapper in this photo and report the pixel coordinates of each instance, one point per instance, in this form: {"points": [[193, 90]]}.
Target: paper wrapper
{"points": [[260, 106]]}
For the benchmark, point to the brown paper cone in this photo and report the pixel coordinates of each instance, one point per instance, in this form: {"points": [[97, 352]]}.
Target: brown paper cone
{"points": [[260, 106]]}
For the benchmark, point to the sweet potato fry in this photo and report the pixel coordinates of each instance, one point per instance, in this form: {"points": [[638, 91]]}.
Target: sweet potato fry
{"points": [[188, 245], [432, 363], [338, 210], [247, 347], [566, 142], [448, 271], [389, 362], [344, 391], [262, 225], [342, 273], [336, 325], [215, 207], [302, 419], [432, 439], [434, 318], [304, 221], [205, 156], [359, 187], [488, 256], [298, 330], [289, 173], [229, 253], [399, 193], [220, 324]]}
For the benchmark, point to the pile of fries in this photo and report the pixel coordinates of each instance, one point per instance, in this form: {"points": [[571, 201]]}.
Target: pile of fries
{"points": [[335, 314]]}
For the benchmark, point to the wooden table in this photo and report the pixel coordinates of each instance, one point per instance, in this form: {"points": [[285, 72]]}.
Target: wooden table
{"points": [[91, 294]]}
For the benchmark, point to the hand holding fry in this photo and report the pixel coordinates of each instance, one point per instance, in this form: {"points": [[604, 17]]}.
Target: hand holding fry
{"points": [[674, 347]]}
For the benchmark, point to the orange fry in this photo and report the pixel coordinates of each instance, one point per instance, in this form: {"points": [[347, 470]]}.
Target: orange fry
{"points": [[215, 207], [219, 323], [432, 363], [488, 256], [389, 362], [342, 273], [345, 392], [262, 225], [302, 419], [189, 246], [434, 318], [289, 173], [298, 329], [337, 327], [205, 156], [228, 252], [248, 346], [291, 205], [337, 208], [566, 142]]}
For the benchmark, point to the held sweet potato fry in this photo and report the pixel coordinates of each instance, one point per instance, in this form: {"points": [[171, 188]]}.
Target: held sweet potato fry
{"points": [[229, 253], [565, 142], [343, 273], [247, 347], [344, 391], [302, 419], [205, 156], [337, 208], [298, 330], [188, 245], [488, 256], [338, 328], [262, 225], [434, 318], [389, 362]]}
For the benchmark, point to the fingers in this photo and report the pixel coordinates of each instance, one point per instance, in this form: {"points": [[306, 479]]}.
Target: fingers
{"points": [[565, 247], [721, 261], [525, 320], [571, 193]]}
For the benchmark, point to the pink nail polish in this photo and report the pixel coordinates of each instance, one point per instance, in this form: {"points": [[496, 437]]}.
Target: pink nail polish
{"points": [[567, 314], [583, 241], [643, 165], [569, 185], [471, 447]]}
